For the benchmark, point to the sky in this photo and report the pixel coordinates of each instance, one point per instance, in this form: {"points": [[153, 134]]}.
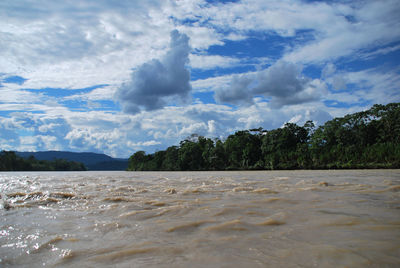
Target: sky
{"points": [[116, 77]]}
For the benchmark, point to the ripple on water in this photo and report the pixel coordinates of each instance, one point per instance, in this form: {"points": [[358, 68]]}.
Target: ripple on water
{"points": [[181, 219]]}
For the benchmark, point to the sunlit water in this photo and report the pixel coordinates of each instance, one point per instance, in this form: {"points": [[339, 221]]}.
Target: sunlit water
{"points": [[201, 219]]}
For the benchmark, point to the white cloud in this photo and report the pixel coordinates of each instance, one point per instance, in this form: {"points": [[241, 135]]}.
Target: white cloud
{"points": [[80, 45], [378, 52], [144, 143], [211, 84], [198, 128], [212, 61], [41, 142], [333, 77], [11, 94], [97, 94], [371, 22], [377, 85], [328, 70], [201, 37]]}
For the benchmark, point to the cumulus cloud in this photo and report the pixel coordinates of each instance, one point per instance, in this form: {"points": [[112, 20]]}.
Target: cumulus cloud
{"points": [[94, 139], [282, 80], [32, 131], [317, 115], [282, 84], [238, 91], [155, 83], [41, 142]]}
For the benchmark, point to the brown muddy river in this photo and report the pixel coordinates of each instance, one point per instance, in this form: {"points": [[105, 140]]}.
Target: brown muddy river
{"points": [[200, 219]]}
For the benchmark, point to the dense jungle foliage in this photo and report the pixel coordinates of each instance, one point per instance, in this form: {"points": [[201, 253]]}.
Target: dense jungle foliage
{"points": [[369, 139], [9, 161]]}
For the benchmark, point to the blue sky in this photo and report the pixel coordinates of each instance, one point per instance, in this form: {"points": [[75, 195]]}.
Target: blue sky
{"points": [[119, 76]]}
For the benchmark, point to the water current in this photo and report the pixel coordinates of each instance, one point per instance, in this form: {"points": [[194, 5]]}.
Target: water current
{"points": [[347, 218]]}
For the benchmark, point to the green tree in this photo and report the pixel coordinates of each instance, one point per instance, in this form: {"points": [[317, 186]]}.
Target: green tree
{"points": [[218, 159], [9, 161], [242, 150], [137, 161], [190, 156], [171, 158]]}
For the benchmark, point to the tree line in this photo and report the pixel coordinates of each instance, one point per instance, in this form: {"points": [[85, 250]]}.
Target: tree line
{"points": [[368, 139], [9, 161]]}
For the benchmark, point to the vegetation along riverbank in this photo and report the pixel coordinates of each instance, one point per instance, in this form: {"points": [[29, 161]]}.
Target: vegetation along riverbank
{"points": [[368, 139]]}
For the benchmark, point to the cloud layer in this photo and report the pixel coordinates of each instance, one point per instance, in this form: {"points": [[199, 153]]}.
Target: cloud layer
{"points": [[117, 77]]}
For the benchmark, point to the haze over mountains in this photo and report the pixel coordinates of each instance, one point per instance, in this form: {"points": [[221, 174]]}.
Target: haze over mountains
{"points": [[92, 161]]}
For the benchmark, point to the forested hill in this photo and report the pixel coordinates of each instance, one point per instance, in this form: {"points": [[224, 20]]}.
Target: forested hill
{"points": [[10, 161], [92, 161], [59, 160], [85, 158], [369, 139]]}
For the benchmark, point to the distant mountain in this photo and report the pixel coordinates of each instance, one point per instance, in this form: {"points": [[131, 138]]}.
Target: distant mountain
{"points": [[92, 161]]}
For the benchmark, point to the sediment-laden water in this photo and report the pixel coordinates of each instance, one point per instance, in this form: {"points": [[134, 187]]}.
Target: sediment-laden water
{"points": [[201, 219]]}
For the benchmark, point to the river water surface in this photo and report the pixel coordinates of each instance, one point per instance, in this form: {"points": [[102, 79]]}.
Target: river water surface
{"points": [[201, 219]]}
